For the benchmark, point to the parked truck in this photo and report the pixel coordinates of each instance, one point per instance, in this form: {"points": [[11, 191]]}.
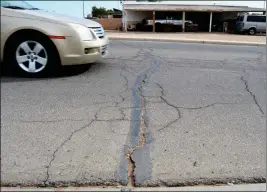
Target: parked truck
{"points": [[167, 24]]}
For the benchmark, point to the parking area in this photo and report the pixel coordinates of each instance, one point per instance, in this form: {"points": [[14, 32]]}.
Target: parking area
{"points": [[200, 109]]}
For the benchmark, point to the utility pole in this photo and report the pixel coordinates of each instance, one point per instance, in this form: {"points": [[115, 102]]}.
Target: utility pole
{"points": [[83, 8]]}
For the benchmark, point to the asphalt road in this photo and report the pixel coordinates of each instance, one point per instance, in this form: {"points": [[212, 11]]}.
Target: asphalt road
{"points": [[151, 114]]}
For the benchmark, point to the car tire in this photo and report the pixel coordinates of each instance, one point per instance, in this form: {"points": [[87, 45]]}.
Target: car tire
{"points": [[32, 55], [252, 31]]}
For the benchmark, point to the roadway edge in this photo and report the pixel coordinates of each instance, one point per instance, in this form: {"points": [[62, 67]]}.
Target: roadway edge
{"points": [[229, 187], [189, 41]]}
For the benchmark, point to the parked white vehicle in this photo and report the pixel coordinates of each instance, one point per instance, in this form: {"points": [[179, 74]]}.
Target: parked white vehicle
{"points": [[169, 21], [251, 24]]}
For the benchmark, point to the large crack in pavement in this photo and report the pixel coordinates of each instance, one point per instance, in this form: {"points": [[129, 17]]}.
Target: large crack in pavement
{"points": [[139, 113], [139, 103], [139, 109], [141, 141]]}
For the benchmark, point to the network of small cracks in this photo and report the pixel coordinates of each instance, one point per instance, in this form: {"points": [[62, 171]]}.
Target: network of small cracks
{"points": [[142, 137], [131, 163], [179, 115], [96, 119], [184, 62], [142, 134]]}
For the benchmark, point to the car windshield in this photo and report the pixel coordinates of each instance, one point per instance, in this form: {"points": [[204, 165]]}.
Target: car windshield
{"points": [[17, 5]]}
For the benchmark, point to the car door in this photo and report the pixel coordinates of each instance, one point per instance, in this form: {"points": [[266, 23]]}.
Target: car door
{"points": [[239, 23], [261, 26], [4, 27]]}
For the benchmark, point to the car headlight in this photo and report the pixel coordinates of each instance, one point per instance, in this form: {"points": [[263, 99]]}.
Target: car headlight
{"points": [[84, 32]]}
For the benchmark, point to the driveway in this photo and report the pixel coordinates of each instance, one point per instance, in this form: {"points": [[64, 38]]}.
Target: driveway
{"points": [[152, 114]]}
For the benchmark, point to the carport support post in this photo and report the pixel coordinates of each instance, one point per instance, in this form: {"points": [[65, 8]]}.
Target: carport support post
{"points": [[154, 17], [183, 20], [125, 20], [210, 21]]}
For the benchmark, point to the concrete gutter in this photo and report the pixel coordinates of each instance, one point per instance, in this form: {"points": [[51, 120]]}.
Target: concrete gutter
{"points": [[190, 41], [203, 38], [230, 187]]}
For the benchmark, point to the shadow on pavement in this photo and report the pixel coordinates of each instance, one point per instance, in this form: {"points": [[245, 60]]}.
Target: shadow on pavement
{"points": [[65, 71]]}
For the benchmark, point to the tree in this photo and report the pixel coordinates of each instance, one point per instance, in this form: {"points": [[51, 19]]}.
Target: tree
{"points": [[99, 12], [109, 11]]}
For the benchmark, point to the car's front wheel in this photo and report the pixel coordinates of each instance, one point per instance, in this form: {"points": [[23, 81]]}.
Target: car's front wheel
{"points": [[32, 55]]}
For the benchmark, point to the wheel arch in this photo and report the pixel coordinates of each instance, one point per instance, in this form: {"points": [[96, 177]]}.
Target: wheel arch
{"points": [[252, 27], [27, 31]]}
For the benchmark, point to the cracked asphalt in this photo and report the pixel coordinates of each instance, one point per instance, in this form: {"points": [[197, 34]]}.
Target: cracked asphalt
{"points": [[151, 114]]}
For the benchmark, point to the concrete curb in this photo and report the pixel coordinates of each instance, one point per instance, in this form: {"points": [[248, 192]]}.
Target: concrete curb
{"points": [[190, 41], [239, 187]]}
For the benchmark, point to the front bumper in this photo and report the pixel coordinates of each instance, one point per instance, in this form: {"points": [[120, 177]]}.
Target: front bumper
{"points": [[73, 51]]}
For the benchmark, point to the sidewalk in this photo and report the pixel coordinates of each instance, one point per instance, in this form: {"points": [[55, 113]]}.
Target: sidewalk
{"points": [[241, 187], [209, 38]]}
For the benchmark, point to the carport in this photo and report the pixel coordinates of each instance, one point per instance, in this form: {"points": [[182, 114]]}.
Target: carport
{"points": [[203, 14]]}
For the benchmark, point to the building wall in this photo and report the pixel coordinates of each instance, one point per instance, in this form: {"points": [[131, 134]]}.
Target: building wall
{"points": [[110, 24]]}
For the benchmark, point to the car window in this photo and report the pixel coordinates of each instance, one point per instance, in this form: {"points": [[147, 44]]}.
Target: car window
{"points": [[240, 18], [252, 18], [262, 19], [18, 4]]}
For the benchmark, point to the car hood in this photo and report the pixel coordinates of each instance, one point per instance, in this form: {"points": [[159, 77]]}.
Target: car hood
{"points": [[55, 17]]}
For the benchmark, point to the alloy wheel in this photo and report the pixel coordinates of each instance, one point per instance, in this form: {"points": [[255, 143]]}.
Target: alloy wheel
{"points": [[31, 56]]}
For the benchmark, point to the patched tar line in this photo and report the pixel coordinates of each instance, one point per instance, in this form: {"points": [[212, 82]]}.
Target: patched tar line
{"points": [[142, 162]]}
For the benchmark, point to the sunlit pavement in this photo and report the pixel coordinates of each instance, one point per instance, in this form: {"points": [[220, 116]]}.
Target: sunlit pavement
{"points": [[191, 114]]}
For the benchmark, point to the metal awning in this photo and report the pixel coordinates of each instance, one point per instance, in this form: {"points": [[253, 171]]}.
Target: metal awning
{"points": [[193, 8]]}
